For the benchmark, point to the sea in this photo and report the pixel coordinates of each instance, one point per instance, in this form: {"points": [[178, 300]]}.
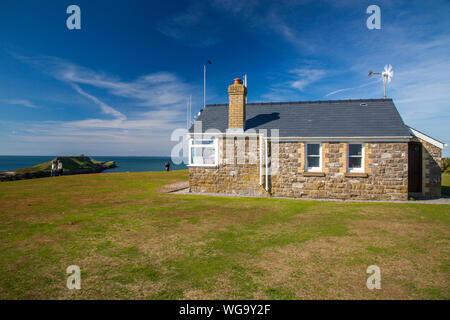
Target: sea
{"points": [[124, 164]]}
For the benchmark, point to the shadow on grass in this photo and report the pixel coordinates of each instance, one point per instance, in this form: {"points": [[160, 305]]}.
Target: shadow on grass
{"points": [[446, 190], [446, 183]]}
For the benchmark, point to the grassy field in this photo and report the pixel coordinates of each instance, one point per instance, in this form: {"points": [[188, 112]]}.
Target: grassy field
{"points": [[133, 242]]}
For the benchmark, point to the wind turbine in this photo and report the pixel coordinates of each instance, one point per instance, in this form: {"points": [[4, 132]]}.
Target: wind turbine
{"points": [[387, 75]]}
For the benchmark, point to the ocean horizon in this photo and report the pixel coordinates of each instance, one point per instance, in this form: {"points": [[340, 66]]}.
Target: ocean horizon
{"points": [[124, 163]]}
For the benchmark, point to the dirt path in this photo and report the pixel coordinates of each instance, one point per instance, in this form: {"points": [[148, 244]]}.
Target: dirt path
{"points": [[445, 199], [174, 187]]}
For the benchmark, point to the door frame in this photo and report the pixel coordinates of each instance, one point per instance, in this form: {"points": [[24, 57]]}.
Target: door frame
{"points": [[415, 168]]}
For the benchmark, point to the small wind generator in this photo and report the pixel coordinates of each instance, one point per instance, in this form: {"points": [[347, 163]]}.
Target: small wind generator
{"points": [[387, 75]]}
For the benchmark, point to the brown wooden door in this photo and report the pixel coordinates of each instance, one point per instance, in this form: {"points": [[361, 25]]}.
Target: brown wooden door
{"points": [[414, 167]]}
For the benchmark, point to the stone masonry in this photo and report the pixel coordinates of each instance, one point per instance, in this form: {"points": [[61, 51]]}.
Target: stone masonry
{"points": [[233, 175], [431, 170], [385, 176]]}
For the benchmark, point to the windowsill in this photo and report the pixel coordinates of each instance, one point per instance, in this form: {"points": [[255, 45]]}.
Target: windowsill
{"points": [[313, 174], [203, 165], [356, 175]]}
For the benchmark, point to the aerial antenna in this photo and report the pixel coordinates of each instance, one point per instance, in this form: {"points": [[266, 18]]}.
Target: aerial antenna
{"points": [[187, 114], [387, 75], [204, 82], [245, 84]]}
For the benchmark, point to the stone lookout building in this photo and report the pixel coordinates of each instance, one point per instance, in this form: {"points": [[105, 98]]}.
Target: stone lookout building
{"points": [[343, 149]]}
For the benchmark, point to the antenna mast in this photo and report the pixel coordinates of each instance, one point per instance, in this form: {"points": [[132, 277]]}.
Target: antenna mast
{"points": [[245, 84], [187, 114]]}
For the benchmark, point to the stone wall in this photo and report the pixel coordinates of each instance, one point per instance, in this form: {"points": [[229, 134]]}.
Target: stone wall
{"points": [[385, 176], [237, 172], [431, 170]]}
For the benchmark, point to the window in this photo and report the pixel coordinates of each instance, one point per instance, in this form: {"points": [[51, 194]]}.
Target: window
{"points": [[355, 160], [203, 152], [313, 157]]}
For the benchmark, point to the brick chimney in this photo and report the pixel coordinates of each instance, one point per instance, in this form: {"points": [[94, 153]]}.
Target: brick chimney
{"points": [[237, 93]]}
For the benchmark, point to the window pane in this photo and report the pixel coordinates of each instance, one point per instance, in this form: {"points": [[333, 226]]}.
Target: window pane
{"points": [[354, 162], [313, 162], [202, 155], [196, 156], [202, 142], [313, 149], [355, 149], [208, 155]]}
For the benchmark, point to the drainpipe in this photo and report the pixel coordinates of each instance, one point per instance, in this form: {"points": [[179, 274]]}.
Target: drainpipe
{"points": [[260, 160], [267, 167]]}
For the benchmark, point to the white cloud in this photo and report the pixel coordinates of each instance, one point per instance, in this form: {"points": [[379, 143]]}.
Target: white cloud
{"points": [[21, 102], [203, 24], [305, 77], [153, 106], [104, 107], [352, 88], [295, 83], [194, 27]]}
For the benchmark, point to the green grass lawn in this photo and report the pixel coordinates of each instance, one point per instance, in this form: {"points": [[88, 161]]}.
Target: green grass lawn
{"points": [[133, 242]]}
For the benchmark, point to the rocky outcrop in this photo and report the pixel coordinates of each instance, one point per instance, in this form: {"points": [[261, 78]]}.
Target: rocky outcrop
{"points": [[71, 165]]}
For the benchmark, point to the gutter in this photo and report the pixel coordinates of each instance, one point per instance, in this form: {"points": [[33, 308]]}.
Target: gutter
{"points": [[342, 138]]}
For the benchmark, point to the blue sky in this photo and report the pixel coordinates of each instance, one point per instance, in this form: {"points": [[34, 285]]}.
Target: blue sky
{"points": [[119, 85]]}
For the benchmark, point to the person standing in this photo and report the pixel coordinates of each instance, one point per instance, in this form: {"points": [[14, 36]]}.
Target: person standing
{"points": [[167, 165], [60, 168], [52, 172]]}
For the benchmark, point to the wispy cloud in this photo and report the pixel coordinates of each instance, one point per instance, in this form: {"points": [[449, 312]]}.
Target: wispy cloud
{"points": [[150, 108], [103, 106], [203, 24], [306, 77], [193, 26], [150, 90], [295, 82], [20, 102], [352, 88]]}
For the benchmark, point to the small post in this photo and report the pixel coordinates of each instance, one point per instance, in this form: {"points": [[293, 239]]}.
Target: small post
{"points": [[204, 86]]}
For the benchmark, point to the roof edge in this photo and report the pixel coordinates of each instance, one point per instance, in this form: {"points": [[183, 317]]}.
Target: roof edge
{"points": [[426, 138], [306, 102]]}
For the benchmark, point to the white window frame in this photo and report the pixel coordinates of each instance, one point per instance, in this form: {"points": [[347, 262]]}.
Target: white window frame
{"points": [[214, 145], [313, 169], [362, 157]]}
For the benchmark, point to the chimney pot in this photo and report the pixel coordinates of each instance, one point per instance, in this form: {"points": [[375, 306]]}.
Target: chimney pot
{"points": [[237, 81]]}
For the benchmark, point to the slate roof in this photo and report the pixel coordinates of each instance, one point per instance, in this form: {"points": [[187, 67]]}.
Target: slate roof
{"points": [[334, 118]]}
